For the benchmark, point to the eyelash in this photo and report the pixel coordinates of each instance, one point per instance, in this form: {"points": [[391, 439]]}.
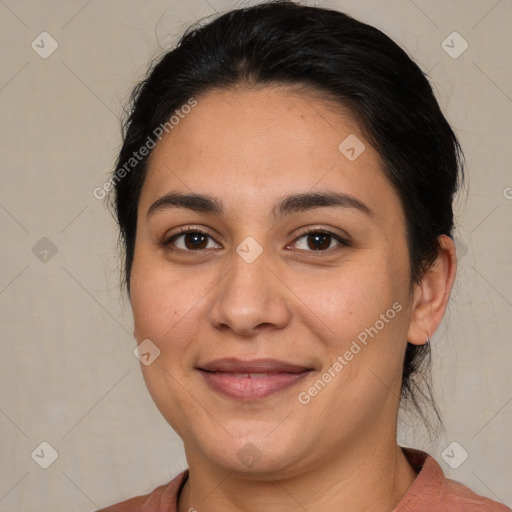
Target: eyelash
{"points": [[168, 242]]}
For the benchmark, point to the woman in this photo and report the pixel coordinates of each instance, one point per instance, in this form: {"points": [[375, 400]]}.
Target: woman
{"points": [[284, 197]]}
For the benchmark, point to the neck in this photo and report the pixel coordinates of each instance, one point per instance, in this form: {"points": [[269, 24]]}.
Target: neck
{"points": [[367, 477]]}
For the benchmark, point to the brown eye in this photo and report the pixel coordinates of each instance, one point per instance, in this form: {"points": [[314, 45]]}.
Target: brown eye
{"points": [[318, 241], [192, 240]]}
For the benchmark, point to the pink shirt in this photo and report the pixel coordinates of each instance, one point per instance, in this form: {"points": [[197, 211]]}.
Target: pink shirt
{"points": [[430, 492]]}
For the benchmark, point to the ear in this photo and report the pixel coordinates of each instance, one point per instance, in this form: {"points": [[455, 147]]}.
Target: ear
{"points": [[432, 293]]}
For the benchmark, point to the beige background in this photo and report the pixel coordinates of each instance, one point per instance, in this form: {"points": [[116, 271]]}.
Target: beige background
{"points": [[68, 375]]}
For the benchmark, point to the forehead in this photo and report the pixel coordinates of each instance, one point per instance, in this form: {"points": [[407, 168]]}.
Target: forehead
{"points": [[260, 144]]}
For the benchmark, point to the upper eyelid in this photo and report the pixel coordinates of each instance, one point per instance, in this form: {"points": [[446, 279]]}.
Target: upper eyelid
{"points": [[319, 229]]}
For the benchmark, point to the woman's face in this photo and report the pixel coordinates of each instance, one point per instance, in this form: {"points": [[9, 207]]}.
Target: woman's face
{"points": [[278, 348]]}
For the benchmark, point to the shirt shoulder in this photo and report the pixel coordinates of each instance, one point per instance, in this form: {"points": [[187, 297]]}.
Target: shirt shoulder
{"points": [[162, 499], [433, 491]]}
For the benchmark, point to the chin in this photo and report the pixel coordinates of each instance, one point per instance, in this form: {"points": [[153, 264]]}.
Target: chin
{"points": [[257, 454]]}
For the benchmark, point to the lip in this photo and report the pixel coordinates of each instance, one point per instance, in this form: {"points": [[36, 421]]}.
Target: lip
{"points": [[251, 380]]}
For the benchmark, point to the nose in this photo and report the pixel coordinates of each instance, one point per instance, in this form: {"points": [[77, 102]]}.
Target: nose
{"points": [[251, 298]]}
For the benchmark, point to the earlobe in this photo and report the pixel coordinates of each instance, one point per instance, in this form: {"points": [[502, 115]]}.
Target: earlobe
{"points": [[431, 295]]}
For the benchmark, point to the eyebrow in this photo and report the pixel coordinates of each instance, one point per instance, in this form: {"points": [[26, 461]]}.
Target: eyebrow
{"points": [[290, 204]]}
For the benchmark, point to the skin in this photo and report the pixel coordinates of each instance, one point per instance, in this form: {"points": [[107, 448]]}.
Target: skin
{"points": [[249, 148]]}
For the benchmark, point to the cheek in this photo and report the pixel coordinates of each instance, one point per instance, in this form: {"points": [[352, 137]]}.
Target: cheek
{"points": [[158, 298], [165, 306], [162, 308], [344, 302]]}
